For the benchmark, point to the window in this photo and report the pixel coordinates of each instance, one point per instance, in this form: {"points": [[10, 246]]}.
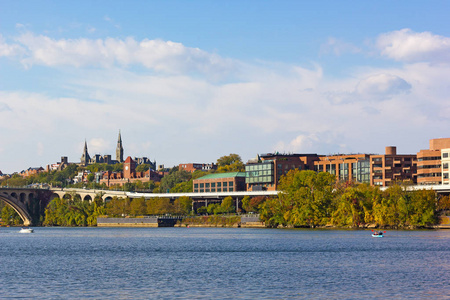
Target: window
{"points": [[219, 189], [196, 185], [230, 183], [219, 184], [445, 155], [445, 165], [213, 184], [213, 190], [207, 185], [445, 175], [202, 185], [225, 184]]}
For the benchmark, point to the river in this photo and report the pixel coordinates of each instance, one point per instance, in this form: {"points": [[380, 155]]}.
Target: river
{"points": [[222, 263]]}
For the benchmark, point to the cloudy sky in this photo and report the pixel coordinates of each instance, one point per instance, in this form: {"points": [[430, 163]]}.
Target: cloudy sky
{"points": [[190, 81]]}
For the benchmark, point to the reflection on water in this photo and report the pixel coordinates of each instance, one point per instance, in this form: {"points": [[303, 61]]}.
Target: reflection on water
{"points": [[196, 263]]}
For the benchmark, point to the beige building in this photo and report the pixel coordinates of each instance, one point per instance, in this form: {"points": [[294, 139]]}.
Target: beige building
{"points": [[430, 169]]}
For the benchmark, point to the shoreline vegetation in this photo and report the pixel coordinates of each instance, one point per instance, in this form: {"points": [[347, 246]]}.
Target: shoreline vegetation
{"points": [[306, 200]]}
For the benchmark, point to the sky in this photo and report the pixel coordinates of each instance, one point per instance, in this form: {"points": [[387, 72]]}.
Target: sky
{"points": [[191, 81]]}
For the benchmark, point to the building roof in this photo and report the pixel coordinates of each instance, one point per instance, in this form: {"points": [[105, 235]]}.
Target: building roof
{"points": [[223, 175]]}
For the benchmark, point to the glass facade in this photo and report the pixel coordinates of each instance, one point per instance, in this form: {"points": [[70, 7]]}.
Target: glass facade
{"points": [[362, 171], [260, 173]]}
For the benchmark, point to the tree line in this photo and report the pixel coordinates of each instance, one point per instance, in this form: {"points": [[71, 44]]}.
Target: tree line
{"points": [[310, 199]]}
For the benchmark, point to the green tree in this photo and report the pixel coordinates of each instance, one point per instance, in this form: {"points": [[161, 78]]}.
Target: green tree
{"points": [[169, 181], [423, 208], [143, 168], [230, 163], [118, 206], [227, 205], [10, 216], [138, 207], [183, 205], [252, 204], [307, 197]]}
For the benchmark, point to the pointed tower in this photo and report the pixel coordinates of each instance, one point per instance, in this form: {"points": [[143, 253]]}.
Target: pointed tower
{"points": [[119, 149], [85, 158]]}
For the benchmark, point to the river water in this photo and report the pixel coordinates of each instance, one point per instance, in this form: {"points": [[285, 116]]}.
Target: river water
{"points": [[220, 263]]}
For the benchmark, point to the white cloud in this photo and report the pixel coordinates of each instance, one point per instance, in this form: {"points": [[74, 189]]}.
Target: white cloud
{"points": [[9, 49], [382, 84], [158, 55], [407, 45], [174, 116]]}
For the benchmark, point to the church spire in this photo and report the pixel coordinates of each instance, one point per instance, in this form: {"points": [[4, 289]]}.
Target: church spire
{"points": [[119, 149], [85, 158]]}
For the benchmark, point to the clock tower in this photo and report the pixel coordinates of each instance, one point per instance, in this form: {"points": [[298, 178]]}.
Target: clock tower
{"points": [[129, 167]]}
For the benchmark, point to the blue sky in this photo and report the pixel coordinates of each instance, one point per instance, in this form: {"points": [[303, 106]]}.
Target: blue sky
{"points": [[190, 81]]}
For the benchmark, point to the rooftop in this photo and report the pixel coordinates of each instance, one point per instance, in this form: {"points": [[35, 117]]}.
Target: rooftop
{"points": [[223, 175]]}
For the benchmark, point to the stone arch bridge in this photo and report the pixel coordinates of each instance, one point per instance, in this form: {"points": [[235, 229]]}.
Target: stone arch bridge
{"points": [[30, 203]]}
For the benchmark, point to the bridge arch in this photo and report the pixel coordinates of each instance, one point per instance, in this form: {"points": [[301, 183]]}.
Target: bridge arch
{"points": [[18, 206], [23, 197], [87, 198]]}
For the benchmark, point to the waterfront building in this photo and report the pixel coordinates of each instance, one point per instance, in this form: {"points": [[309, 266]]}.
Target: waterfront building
{"points": [[391, 167], [348, 167], [374, 169], [445, 158], [429, 168], [220, 182], [264, 172]]}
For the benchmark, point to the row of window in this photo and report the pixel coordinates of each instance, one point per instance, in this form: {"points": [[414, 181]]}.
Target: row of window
{"points": [[213, 190], [429, 175], [259, 167], [429, 158], [259, 179], [213, 184], [429, 167]]}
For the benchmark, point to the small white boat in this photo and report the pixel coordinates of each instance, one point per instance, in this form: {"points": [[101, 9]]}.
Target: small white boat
{"points": [[26, 230], [377, 233]]}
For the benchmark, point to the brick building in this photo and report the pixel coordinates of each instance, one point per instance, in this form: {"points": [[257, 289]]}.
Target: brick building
{"points": [[31, 171], [220, 182], [129, 175], [430, 169], [265, 171], [391, 167], [350, 167]]}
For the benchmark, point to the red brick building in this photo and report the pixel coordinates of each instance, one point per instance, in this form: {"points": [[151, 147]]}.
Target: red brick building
{"points": [[129, 175]]}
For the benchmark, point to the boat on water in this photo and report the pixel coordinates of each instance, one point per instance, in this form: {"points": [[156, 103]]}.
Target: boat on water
{"points": [[377, 233], [26, 230]]}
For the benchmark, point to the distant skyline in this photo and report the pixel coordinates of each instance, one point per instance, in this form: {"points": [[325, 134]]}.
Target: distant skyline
{"points": [[191, 81]]}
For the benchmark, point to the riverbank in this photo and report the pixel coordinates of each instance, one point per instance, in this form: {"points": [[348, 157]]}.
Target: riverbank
{"points": [[244, 221]]}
